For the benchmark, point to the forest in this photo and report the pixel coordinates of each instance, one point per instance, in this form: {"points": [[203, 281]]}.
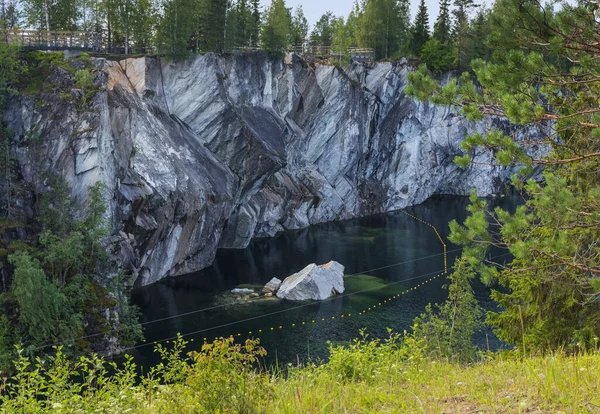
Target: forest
{"points": [[178, 28], [532, 65]]}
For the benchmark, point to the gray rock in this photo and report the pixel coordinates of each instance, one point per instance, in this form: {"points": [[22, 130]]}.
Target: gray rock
{"points": [[242, 291], [217, 150], [314, 282], [272, 286]]}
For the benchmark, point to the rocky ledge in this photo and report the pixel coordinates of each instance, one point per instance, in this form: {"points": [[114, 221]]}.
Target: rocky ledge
{"points": [[217, 150]]}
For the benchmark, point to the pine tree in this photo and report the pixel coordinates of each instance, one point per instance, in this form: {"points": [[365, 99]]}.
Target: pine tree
{"points": [[244, 22], [213, 23], [322, 34], [461, 29], [383, 25], [420, 31], [447, 330], [299, 29], [255, 24], [550, 296], [175, 28], [275, 32], [443, 25]]}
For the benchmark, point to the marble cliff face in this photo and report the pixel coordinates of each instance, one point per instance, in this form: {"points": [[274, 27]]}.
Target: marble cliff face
{"points": [[214, 151]]}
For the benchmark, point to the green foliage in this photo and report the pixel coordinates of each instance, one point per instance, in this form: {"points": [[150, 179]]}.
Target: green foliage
{"points": [[420, 29], [275, 31], [322, 34], [299, 28], [239, 25], [363, 359], [219, 378], [544, 77], [442, 26], [63, 287], [448, 331], [366, 376], [175, 28], [383, 25], [43, 309], [9, 70], [460, 29], [84, 80], [438, 56]]}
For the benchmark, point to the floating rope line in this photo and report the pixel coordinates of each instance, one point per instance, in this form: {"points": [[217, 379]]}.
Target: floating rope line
{"points": [[259, 332], [179, 315], [436, 233], [166, 340]]}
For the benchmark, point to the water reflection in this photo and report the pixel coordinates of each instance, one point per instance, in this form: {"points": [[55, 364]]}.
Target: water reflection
{"points": [[361, 245]]}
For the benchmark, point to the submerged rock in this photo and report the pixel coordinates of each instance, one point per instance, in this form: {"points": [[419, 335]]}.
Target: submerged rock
{"points": [[314, 282], [273, 286], [242, 291]]}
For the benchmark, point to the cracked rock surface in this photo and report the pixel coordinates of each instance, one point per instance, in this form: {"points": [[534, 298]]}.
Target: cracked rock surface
{"points": [[217, 150]]}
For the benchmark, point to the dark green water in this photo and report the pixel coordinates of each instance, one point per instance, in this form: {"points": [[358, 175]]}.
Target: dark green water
{"points": [[405, 252]]}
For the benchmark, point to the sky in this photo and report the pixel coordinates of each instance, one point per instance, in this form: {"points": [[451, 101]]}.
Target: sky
{"points": [[314, 9]]}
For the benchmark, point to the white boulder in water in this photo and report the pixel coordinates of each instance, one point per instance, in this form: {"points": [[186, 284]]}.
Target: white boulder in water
{"points": [[314, 282]]}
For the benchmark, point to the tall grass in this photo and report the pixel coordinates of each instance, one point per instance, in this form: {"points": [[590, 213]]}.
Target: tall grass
{"points": [[389, 375]]}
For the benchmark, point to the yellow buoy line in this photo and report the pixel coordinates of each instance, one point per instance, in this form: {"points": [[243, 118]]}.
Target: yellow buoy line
{"points": [[196, 311], [259, 332], [436, 233]]}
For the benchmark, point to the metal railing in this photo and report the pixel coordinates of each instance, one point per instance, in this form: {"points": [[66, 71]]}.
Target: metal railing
{"points": [[65, 40], [54, 40]]}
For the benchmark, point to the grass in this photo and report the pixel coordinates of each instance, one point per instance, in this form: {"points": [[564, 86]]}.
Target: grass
{"points": [[540, 384], [366, 376]]}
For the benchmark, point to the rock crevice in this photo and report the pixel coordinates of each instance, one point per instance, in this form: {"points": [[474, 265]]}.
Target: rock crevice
{"points": [[217, 150]]}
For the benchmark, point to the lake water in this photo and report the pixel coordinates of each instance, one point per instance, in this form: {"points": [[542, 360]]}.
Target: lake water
{"points": [[389, 253]]}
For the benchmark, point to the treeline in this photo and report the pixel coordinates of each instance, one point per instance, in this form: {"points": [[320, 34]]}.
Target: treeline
{"points": [[178, 28]]}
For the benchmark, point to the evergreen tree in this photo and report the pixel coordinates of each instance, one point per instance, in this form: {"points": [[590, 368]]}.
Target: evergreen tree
{"points": [[477, 47], [551, 289], [443, 24], [299, 29], [275, 34], [438, 56], [213, 14], [420, 30], [383, 25], [175, 28], [447, 330], [322, 34], [461, 29], [255, 24], [243, 14]]}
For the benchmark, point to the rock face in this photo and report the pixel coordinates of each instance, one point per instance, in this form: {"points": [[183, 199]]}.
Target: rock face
{"points": [[214, 151], [314, 282]]}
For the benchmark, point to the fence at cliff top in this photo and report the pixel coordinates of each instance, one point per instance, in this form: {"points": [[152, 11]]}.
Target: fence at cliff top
{"points": [[54, 40], [93, 42]]}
